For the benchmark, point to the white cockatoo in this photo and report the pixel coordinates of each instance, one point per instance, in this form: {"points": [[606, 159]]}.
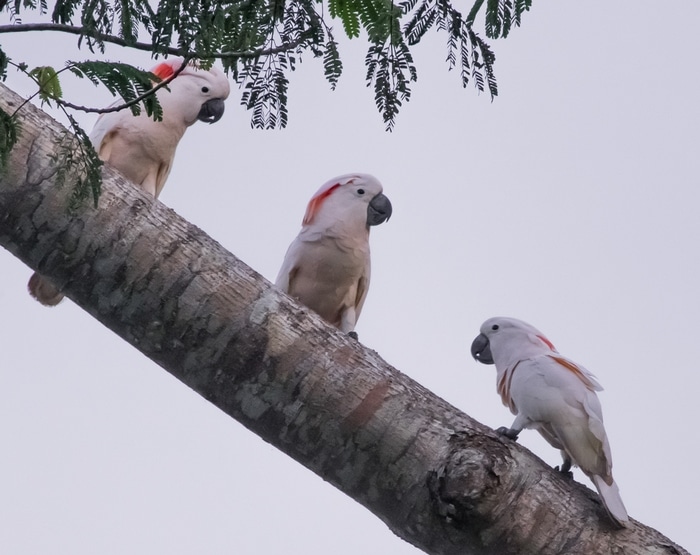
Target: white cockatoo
{"points": [[142, 149], [327, 266], [553, 395]]}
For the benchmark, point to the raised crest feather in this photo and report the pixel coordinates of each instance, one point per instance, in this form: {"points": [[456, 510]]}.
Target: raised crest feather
{"points": [[317, 201], [164, 70], [546, 342]]}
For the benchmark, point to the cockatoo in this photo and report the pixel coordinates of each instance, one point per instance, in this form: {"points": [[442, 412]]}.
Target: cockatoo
{"points": [[142, 149], [327, 266], [553, 395]]}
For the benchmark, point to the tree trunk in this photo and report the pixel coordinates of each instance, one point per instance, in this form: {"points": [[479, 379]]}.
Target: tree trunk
{"points": [[437, 478]]}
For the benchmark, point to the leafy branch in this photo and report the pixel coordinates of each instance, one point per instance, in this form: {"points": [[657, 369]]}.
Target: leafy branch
{"points": [[134, 85], [260, 41], [502, 15], [77, 162], [147, 47], [465, 48], [9, 133]]}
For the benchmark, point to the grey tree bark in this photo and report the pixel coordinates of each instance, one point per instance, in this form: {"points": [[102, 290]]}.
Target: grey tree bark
{"points": [[437, 478]]}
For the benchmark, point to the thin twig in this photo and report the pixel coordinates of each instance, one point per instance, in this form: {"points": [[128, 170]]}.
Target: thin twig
{"points": [[64, 103], [130, 103]]}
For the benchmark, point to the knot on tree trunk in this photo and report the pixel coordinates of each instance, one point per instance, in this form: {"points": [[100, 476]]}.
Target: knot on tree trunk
{"points": [[467, 490]]}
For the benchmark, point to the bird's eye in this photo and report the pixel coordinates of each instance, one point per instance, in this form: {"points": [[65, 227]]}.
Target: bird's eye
{"points": [[494, 327], [360, 191], [205, 90]]}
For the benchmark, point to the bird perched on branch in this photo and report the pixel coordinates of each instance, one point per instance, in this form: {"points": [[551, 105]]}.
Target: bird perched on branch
{"points": [[142, 149], [553, 395], [327, 266]]}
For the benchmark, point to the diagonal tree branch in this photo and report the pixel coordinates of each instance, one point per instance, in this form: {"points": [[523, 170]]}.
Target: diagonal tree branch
{"points": [[112, 108], [436, 477]]}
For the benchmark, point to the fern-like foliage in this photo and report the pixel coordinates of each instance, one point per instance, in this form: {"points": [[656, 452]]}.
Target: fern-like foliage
{"points": [[4, 60], [332, 65], [77, 164], [502, 15], [264, 78], [422, 19], [124, 80], [466, 50], [389, 61], [97, 15], [40, 6], [130, 15], [63, 10], [390, 69], [9, 133], [380, 20], [265, 92], [260, 41], [521, 6], [348, 13]]}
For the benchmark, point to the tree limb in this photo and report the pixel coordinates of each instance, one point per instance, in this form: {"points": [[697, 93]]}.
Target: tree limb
{"points": [[436, 477], [148, 47]]}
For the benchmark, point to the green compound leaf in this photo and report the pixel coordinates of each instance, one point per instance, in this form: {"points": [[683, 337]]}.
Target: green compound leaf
{"points": [[49, 84]]}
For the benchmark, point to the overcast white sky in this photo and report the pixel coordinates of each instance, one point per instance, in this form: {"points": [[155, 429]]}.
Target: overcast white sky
{"points": [[571, 202]]}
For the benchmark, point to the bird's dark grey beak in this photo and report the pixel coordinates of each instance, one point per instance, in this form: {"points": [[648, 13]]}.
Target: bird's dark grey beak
{"points": [[481, 349], [211, 111], [378, 210]]}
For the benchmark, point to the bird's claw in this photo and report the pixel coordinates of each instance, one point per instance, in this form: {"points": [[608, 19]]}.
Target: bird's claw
{"points": [[353, 334], [565, 471], [510, 433]]}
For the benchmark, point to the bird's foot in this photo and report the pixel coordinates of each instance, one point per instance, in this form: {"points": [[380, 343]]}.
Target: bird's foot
{"points": [[510, 433], [353, 334], [565, 471], [565, 468]]}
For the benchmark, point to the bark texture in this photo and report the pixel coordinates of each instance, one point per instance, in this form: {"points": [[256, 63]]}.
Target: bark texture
{"points": [[437, 478]]}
